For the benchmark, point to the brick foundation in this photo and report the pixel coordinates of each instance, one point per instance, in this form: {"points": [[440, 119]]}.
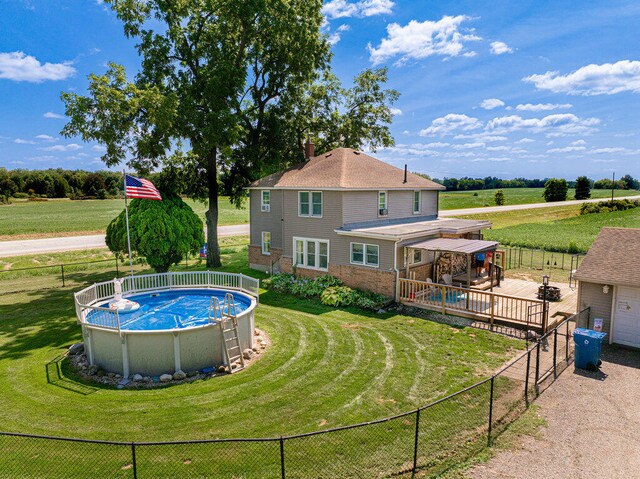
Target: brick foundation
{"points": [[263, 262], [369, 279]]}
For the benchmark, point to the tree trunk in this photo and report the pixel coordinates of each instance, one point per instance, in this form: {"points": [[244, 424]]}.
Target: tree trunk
{"points": [[213, 248]]}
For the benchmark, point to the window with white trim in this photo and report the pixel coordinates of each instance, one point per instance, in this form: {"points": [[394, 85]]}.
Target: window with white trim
{"points": [[365, 254], [382, 203], [416, 256], [265, 201], [311, 253], [416, 202], [266, 242], [310, 203]]}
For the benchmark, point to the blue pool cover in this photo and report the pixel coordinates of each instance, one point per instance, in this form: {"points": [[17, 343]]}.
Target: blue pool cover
{"points": [[173, 309]]}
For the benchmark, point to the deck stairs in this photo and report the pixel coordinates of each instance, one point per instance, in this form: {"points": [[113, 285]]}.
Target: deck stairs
{"points": [[227, 320]]}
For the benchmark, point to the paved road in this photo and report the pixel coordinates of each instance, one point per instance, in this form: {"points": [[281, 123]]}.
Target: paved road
{"points": [[49, 245], [68, 243]]}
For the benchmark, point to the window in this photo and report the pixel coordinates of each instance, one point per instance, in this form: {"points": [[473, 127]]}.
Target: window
{"points": [[311, 253], [416, 202], [382, 203], [310, 203], [265, 201], [266, 242], [416, 257], [365, 254]]}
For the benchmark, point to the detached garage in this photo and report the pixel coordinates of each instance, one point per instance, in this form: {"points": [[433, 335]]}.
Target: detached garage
{"points": [[609, 283]]}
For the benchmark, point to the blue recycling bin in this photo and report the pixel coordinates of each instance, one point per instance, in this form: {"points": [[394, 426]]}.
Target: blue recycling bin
{"points": [[588, 347]]}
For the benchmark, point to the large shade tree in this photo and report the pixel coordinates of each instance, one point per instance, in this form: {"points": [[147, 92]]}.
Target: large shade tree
{"points": [[226, 88]]}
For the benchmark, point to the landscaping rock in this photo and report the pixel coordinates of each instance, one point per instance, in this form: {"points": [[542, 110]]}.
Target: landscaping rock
{"points": [[165, 378], [99, 373], [137, 377], [92, 370], [76, 349], [192, 374], [247, 353], [179, 375]]}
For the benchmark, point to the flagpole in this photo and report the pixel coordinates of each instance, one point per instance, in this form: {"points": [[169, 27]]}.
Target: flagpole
{"points": [[126, 214]]}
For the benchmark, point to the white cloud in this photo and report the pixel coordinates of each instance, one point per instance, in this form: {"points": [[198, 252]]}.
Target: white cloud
{"points": [[419, 40], [99, 148], [46, 138], [484, 136], [450, 123], [20, 141], [491, 103], [363, 8], [69, 147], [605, 79], [499, 48], [336, 36], [498, 148], [567, 149], [616, 150], [18, 66], [468, 146], [543, 106], [52, 115], [437, 144], [554, 125], [578, 142], [395, 111], [524, 140]]}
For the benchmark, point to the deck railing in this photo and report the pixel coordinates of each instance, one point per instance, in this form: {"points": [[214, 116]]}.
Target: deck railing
{"points": [[87, 299], [477, 304]]}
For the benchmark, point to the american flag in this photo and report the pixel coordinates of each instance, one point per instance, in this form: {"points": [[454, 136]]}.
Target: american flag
{"points": [[140, 188]]}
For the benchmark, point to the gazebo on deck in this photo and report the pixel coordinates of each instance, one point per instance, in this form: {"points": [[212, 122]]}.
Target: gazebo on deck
{"points": [[469, 263]]}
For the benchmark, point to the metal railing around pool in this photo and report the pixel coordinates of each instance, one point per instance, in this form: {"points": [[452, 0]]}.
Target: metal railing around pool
{"points": [[86, 299]]}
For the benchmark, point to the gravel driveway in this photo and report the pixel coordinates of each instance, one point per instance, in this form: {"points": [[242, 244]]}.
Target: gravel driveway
{"points": [[593, 427]]}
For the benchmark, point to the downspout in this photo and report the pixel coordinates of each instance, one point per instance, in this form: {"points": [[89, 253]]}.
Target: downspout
{"points": [[395, 268]]}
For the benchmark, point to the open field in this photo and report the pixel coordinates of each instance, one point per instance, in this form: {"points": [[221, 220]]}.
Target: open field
{"points": [[24, 219], [453, 200], [327, 367], [571, 233], [27, 219]]}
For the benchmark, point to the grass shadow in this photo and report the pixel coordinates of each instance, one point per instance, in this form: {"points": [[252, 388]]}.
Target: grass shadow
{"points": [[55, 377]]}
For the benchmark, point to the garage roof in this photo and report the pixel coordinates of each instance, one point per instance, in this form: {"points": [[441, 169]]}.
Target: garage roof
{"points": [[614, 258], [455, 245]]}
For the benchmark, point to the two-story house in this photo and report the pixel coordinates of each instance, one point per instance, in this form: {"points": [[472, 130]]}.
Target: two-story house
{"points": [[350, 215]]}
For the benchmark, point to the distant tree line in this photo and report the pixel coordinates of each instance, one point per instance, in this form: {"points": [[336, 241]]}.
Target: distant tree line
{"points": [[59, 183], [627, 182]]}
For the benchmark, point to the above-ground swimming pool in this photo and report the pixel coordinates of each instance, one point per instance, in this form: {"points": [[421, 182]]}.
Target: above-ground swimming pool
{"points": [[164, 323]]}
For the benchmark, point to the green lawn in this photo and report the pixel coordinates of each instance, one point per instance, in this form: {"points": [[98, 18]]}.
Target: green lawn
{"points": [[327, 367], [56, 217], [451, 200]]}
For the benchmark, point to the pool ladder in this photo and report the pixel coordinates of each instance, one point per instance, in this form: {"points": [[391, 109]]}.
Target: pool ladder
{"points": [[227, 319]]}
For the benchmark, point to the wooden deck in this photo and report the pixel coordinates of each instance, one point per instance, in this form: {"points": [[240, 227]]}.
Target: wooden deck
{"points": [[514, 303]]}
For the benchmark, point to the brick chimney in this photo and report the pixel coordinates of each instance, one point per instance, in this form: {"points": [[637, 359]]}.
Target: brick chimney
{"points": [[308, 150]]}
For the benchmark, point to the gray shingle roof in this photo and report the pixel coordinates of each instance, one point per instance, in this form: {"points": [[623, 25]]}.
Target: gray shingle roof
{"points": [[614, 258], [345, 168], [410, 228]]}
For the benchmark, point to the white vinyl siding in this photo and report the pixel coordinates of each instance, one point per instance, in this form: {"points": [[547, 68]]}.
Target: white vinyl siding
{"points": [[416, 202], [311, 253], [310, 203], [365, 254], [265, 201], [382, 203], [266, 242]]}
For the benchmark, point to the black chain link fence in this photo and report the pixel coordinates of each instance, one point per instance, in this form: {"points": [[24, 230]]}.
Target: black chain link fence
{"points": [[539, 259], [427, 441]]}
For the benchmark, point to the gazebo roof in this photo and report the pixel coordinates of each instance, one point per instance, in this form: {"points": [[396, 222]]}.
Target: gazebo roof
{"points": [[455, 245]]}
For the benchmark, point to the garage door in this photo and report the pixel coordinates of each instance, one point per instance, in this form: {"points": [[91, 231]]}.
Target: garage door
{"points": [[626, 323]]}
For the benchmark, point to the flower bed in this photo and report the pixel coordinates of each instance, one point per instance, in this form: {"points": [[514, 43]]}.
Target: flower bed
{"points": [[328, 289]]}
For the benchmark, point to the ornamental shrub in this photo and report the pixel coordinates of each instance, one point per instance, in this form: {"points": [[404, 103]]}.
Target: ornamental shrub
{"points": [[499, 198], [583, 188], [338, 296], [555, 189]]}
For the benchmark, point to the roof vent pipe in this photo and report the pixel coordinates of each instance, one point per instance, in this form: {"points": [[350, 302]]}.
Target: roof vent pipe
{"points": [[405, 173], [308, 149]]}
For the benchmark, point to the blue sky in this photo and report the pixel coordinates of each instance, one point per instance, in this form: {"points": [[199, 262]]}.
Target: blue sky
{"points": [[508, 89]]}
